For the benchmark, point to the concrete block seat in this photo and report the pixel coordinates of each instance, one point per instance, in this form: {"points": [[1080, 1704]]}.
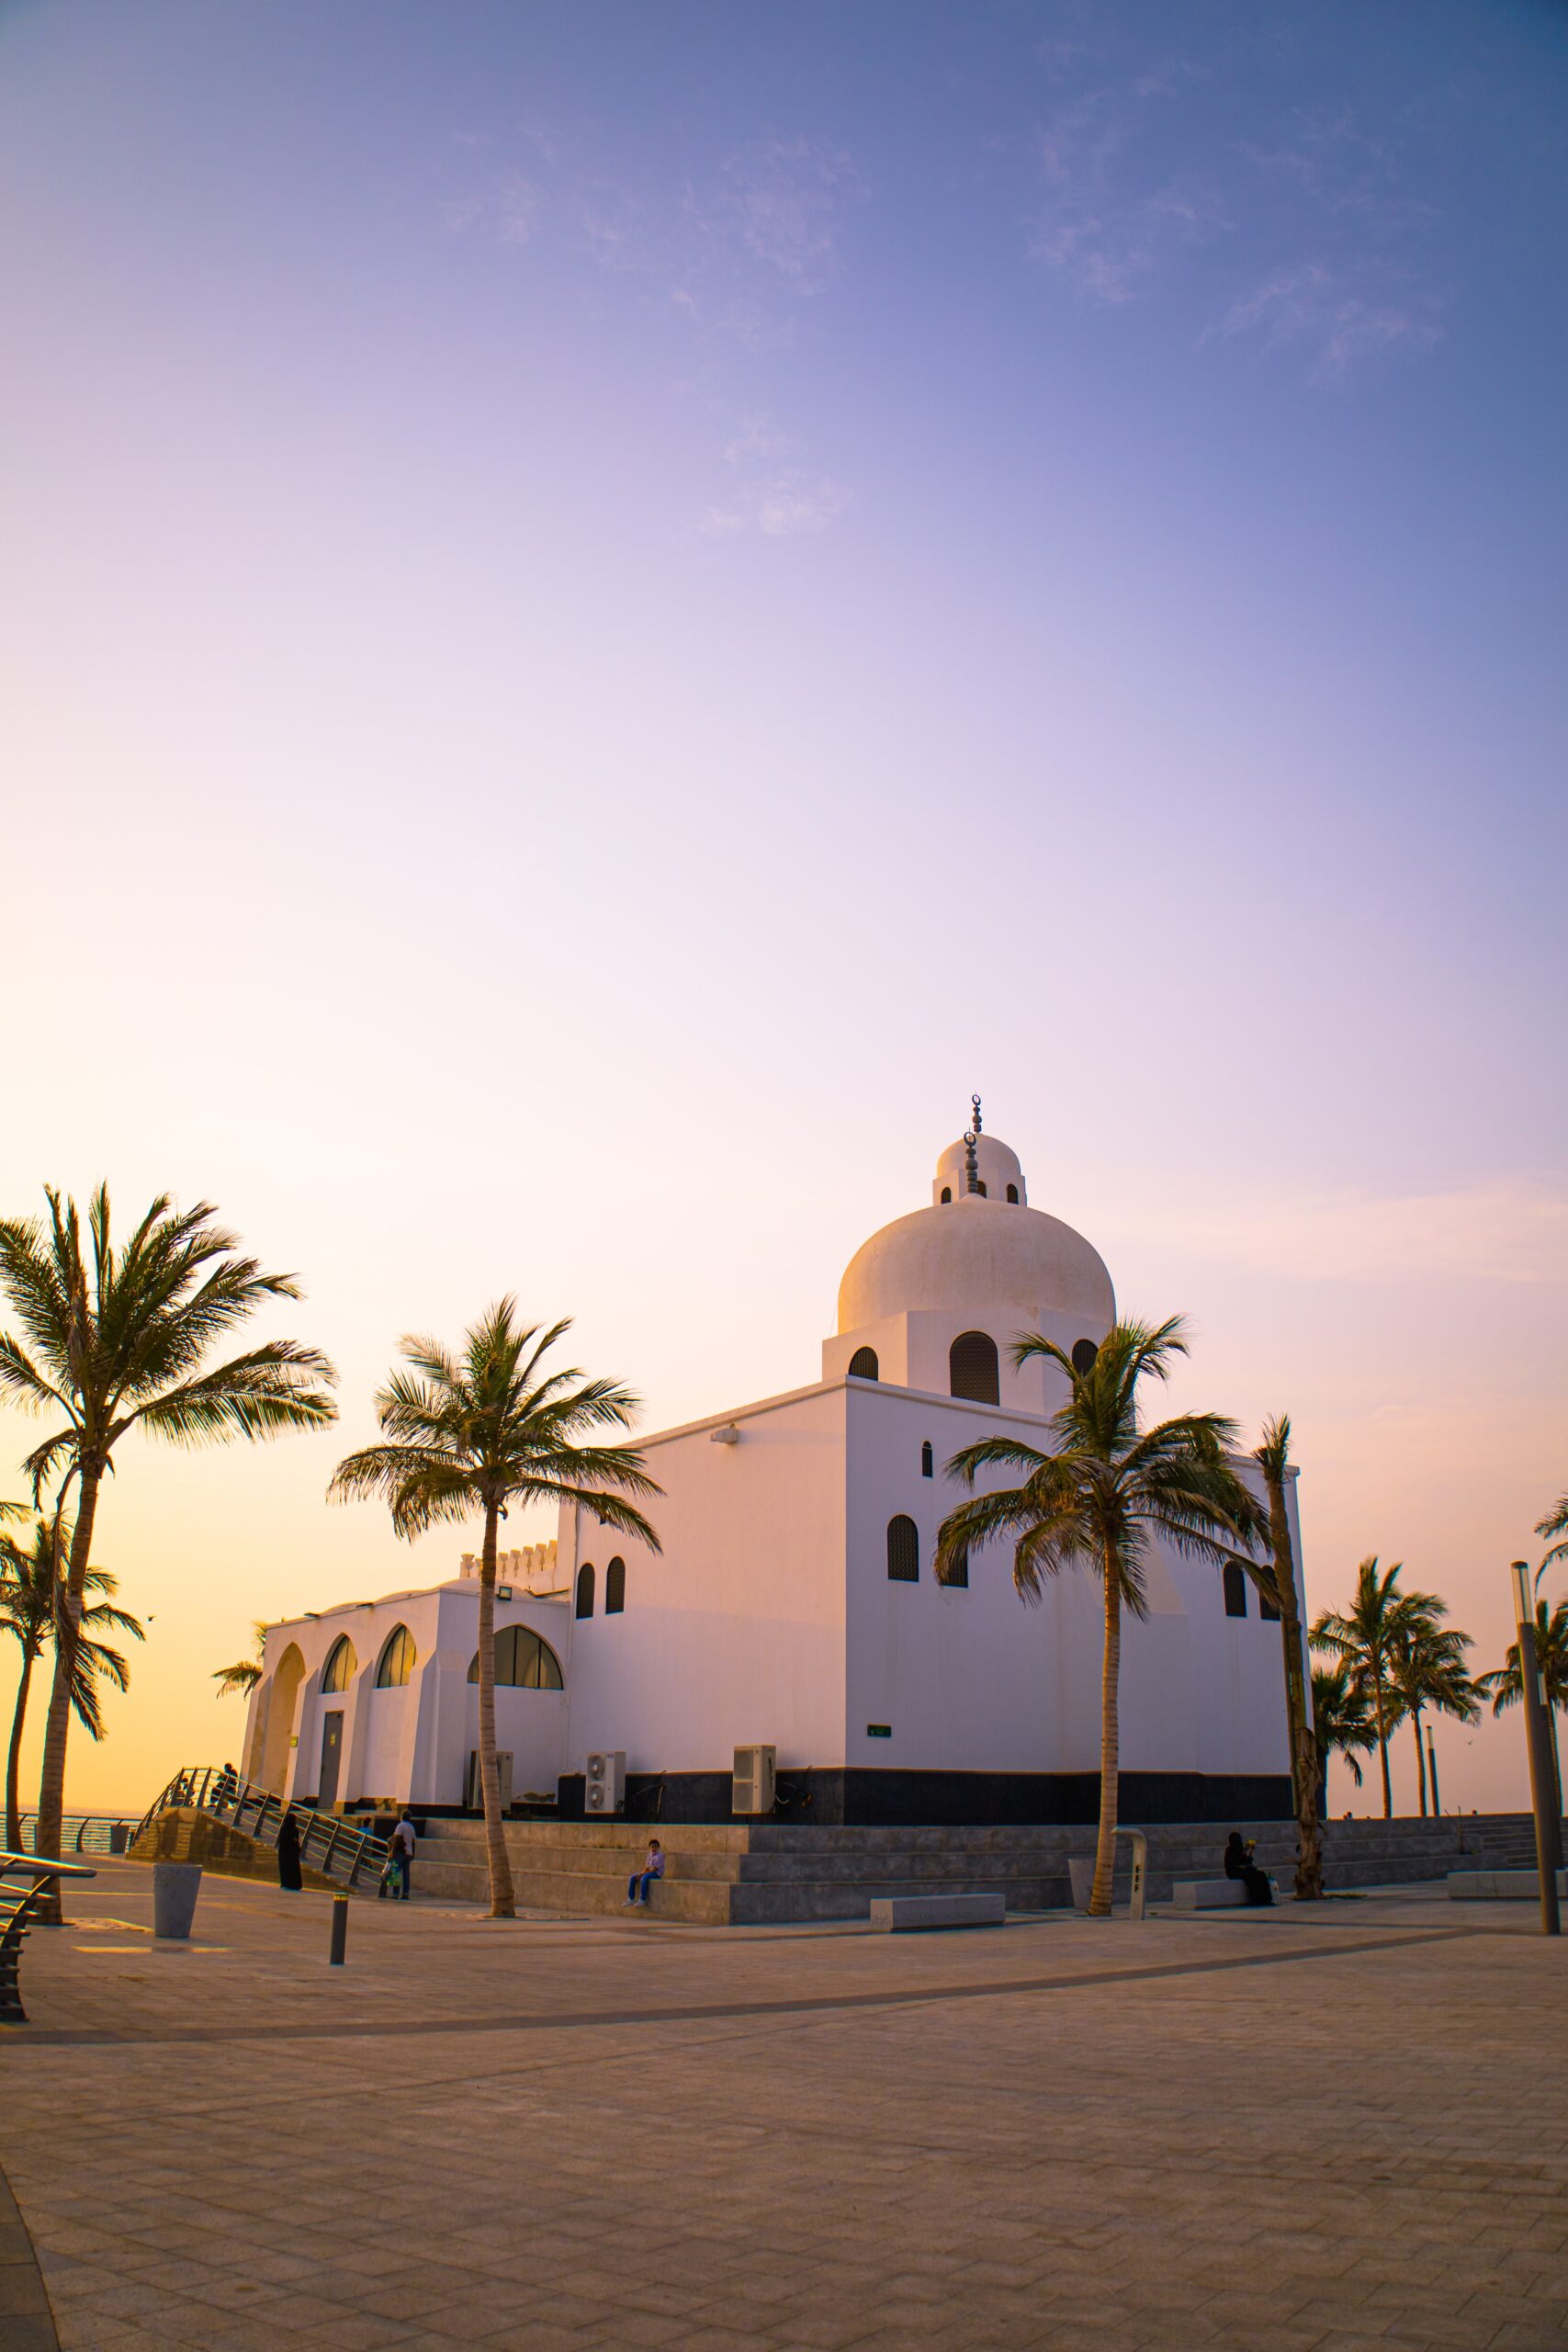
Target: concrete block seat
{"points": [[1215, 1894], [1501, 1886], [902, 1914]]}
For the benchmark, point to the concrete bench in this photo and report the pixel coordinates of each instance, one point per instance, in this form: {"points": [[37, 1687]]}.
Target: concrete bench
{"points": [[1501, 1886], [1213, 1894], [895, 1915]]}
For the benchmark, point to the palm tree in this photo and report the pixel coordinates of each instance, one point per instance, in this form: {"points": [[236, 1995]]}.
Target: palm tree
{"points": [[29, 1581], [1342, 1723], [1429, 1670], [1368, 1637], [1554, 1526], [475, 1433], [113, 1340], [1505, 1687], [1272, 1456], [240, 1679], [1096, 1497]]}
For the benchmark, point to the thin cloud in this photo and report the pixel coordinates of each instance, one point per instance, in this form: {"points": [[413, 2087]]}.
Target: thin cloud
{"points": [[784, 197], [1499, 1232], [1344, 322], [786, 507]]}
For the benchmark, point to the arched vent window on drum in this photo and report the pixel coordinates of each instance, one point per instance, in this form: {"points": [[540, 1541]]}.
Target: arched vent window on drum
{"points": [[946, 1194], [397, 1660], [903, 1550], [615, 1587], [1235, 1589], [973, 1370], [522, 1662], [863, 1364], [341, 1664], [1012, 1194], [585, 1589]]}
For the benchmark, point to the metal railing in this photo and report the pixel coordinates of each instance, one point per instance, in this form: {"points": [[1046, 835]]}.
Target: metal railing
{"points": [[337, 1848], [84, 1833]]}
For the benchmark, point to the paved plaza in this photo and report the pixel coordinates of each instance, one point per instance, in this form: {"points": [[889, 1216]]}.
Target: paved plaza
{"points": [[1338, 2130]]}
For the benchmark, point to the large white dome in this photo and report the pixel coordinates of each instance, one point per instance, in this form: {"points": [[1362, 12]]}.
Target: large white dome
{"points": [[978, 1254]]}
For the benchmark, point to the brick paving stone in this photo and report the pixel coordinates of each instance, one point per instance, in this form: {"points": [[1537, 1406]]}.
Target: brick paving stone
{"points": [[990, 2168]]}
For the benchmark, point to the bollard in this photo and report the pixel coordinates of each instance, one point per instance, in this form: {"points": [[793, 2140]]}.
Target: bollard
{"points": [[340, 1931]]}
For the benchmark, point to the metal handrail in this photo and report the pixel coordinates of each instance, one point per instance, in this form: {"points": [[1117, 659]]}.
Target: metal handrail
{"points": [[217, 1789]]}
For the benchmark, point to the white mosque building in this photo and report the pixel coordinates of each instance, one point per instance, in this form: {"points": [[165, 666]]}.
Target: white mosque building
{"points": [[794, 1606]]}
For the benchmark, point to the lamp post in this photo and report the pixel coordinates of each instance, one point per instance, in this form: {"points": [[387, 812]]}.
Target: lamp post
{"points": [[1543, 1791], [1432, 1773]]}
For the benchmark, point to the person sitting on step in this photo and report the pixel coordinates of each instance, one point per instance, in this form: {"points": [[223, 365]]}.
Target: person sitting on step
{"points": [[640, 1880]]}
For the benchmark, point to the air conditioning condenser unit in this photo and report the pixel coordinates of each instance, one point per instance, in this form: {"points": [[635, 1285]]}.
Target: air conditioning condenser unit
{"points": [[752, 1790], [604, 1788], [474, 1795]]}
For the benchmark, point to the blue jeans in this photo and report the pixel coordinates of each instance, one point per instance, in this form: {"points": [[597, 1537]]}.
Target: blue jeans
{"points": [[646, 1880]]}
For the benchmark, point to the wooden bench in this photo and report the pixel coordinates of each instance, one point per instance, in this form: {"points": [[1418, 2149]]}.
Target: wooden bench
{"points": [[25, 1880], [1213, 1894], [896, 1915]]}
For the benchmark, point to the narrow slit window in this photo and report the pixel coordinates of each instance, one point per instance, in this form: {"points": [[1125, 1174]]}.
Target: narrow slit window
{"points": [[928, 1460]]}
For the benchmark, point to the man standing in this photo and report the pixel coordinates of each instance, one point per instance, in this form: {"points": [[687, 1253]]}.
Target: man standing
{"points": [[402, 1853]]}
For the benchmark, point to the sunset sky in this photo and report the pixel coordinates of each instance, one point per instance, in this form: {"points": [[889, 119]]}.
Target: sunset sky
{"points": [[608, 610]]}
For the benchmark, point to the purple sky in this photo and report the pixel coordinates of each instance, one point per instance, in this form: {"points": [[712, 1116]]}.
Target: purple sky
{"points": [[608, 610]]}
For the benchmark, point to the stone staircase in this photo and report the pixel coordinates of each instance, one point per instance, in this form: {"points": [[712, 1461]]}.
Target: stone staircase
{"points": [[755, 1876]]}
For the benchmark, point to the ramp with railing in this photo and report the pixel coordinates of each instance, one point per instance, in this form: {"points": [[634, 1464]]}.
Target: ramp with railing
{"points": [[340, 1849]]}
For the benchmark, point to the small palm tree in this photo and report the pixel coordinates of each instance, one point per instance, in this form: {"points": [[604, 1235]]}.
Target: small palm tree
{"points": [[1429, 1670], [469, 1434], [1272, 1456], [115, 1339], [1096, 1496], [1342, 1721], [29, 1584], [240, 1679], [1369, 1636], [1505, 1685]]}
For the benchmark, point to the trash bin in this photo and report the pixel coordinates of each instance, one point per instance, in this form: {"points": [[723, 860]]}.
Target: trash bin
{"points": [[1080, 1870], [175, 1886]]}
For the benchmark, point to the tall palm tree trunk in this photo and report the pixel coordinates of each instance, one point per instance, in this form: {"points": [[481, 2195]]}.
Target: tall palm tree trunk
{"points": [[1420, 1760], [57, 1723], [1382, 1747], [1306, 1762], [13, 1755], [1110, 1743], [503, 1902]]}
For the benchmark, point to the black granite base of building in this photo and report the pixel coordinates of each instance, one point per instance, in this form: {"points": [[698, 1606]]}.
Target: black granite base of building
{"points": [[839, 1798]]}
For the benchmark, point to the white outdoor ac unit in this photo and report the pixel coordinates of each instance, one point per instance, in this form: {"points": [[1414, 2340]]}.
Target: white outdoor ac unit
{"points": [[605, 1790], [752, 1790], [474, 1795]]}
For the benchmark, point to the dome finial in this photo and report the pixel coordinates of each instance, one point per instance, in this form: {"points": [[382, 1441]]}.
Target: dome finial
{"points": [[972, 1150]]}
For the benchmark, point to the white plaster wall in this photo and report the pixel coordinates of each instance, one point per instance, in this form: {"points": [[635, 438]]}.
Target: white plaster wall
{"points": [[978, 1680], [736, 1632]]}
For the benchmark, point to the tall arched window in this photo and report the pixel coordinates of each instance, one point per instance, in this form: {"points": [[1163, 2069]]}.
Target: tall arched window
{"points": [[341, 1664], [928, 1461], [863, 1364], [615, 1587], [585, 1589], [522, 1662], [903, 1550], [1012, 1194], [397, 1660], [972, 1368], [1235, 1590]]}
